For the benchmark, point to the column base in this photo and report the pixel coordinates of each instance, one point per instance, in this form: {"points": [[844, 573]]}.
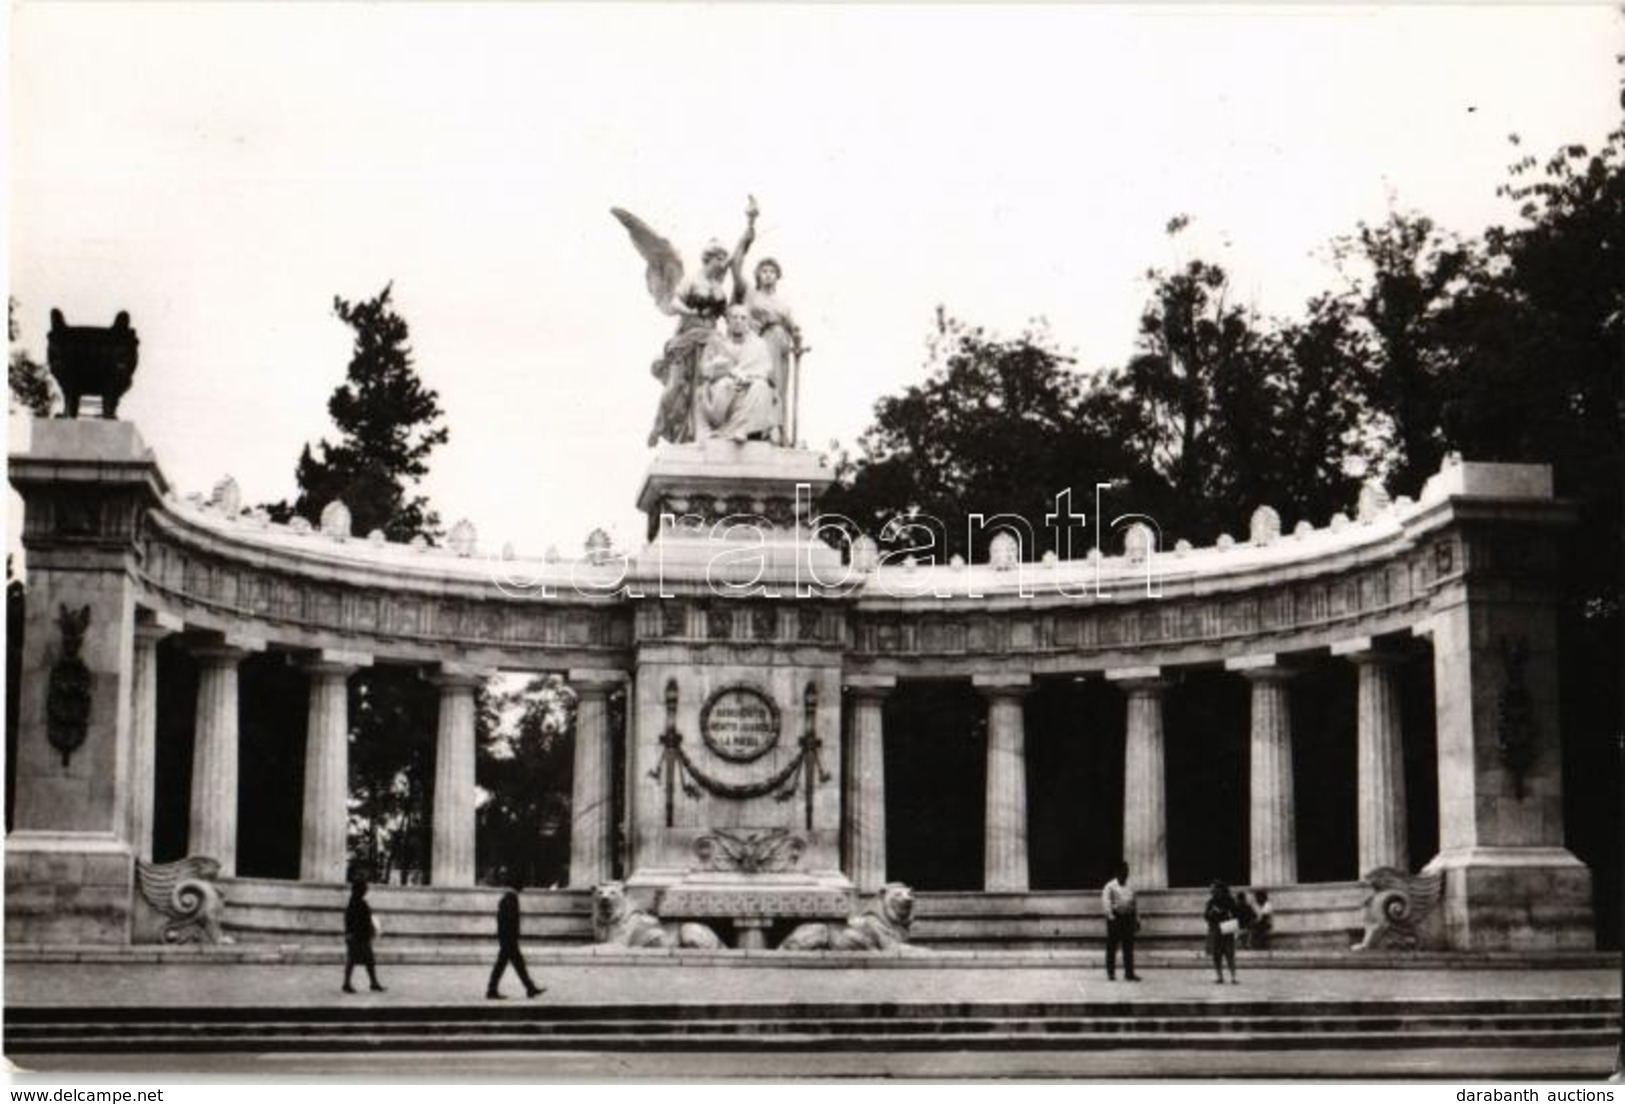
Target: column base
{"points": [[1515, 899], [68, 887]]}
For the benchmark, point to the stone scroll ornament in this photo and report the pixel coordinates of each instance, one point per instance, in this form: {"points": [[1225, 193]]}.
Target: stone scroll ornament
{"points": [[676, 768], [184, 893], [67, 694], [1400, 910]]}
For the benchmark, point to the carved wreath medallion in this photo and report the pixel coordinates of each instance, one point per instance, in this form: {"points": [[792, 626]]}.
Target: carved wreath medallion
{"points": [[740, 724]]}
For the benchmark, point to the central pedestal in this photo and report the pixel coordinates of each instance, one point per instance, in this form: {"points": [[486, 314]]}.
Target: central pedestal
{"points": [[734, 798]]}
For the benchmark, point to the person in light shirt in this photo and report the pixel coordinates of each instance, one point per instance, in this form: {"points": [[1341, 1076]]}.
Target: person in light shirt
{"points": [[1122, 921]]}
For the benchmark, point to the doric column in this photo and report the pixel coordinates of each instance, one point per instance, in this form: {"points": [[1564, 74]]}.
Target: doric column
{"points": [[212, 830], [325, 831], [1005, 868], [866, 781], [149, 630], [1145, 791], [592, 821], [1381, 776], [1272, 818], [452, 849]]}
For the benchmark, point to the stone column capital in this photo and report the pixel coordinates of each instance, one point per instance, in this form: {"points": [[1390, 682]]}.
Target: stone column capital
{"points": [[1362, 651], [452, 677], [1003, 686], [1140, 681], [152, 626], [869, 687], [336, 664], [1260, 668], [227, 651], [597, 681]]}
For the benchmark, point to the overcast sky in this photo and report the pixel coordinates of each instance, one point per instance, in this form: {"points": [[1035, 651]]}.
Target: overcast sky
{"points": [[221, 172]]}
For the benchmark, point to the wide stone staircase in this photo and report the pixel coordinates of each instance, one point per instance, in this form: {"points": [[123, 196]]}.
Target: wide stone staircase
{"points": [[1231, 1025]]}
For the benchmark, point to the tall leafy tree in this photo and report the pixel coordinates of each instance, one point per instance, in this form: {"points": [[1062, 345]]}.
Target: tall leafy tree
{"points": [[1543, 343], [1408, 281], [389, 424], [1228, 411], [998, 426]]}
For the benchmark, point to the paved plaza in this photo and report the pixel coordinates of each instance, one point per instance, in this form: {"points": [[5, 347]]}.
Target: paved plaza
{"points": [[426, 986], [664, 981]]}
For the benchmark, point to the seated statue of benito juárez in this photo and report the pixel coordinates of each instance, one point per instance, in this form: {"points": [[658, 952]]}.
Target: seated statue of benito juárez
{"points": [[738, 399]]}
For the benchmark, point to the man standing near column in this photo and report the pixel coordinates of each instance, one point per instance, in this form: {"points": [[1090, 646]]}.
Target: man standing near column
{"points": [[508, 948], [1122, 921]]}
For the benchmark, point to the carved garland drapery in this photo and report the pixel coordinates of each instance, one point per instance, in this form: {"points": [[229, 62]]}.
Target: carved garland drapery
{"points": [[67, 694], [676, 767]]}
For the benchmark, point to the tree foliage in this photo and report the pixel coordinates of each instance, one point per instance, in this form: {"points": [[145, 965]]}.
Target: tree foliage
{"points": [[31, 385], [1503, 347], [1227, 411], [526, 741], [389, 424], [998, 426], [393, 725]]}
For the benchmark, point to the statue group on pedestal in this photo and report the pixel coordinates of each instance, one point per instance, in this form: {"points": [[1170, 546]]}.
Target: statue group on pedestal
{"points": [[738, 382]]}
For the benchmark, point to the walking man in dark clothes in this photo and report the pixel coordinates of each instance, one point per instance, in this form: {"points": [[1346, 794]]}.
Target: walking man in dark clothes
{"points": [[359, 930], [508, 948]]}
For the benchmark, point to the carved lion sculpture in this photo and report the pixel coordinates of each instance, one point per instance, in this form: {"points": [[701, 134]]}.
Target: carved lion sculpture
{"points": [[883, 926], [1401, 910], [92, 360], [616, 923], [184, 894]]}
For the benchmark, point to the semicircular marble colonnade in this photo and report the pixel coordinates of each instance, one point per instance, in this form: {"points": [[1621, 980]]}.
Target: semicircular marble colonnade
{"points": [[756, 662]]}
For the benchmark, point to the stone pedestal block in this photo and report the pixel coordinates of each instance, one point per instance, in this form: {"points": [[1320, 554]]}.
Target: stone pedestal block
{"points": [[64, 887], [1515, 899]]}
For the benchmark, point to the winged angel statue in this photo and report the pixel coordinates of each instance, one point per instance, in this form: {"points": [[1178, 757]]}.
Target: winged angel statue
{"points": [[729, 383]]}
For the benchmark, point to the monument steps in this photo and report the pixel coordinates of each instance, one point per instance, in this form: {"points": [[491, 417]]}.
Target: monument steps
{"points": [[1325, 917], [1193, 1024]]}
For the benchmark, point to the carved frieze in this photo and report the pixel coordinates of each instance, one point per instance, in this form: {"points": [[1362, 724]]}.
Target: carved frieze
{"points": [[764, 620], [318, 604], [807, 624], [673, 619], [1301, 605]]}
